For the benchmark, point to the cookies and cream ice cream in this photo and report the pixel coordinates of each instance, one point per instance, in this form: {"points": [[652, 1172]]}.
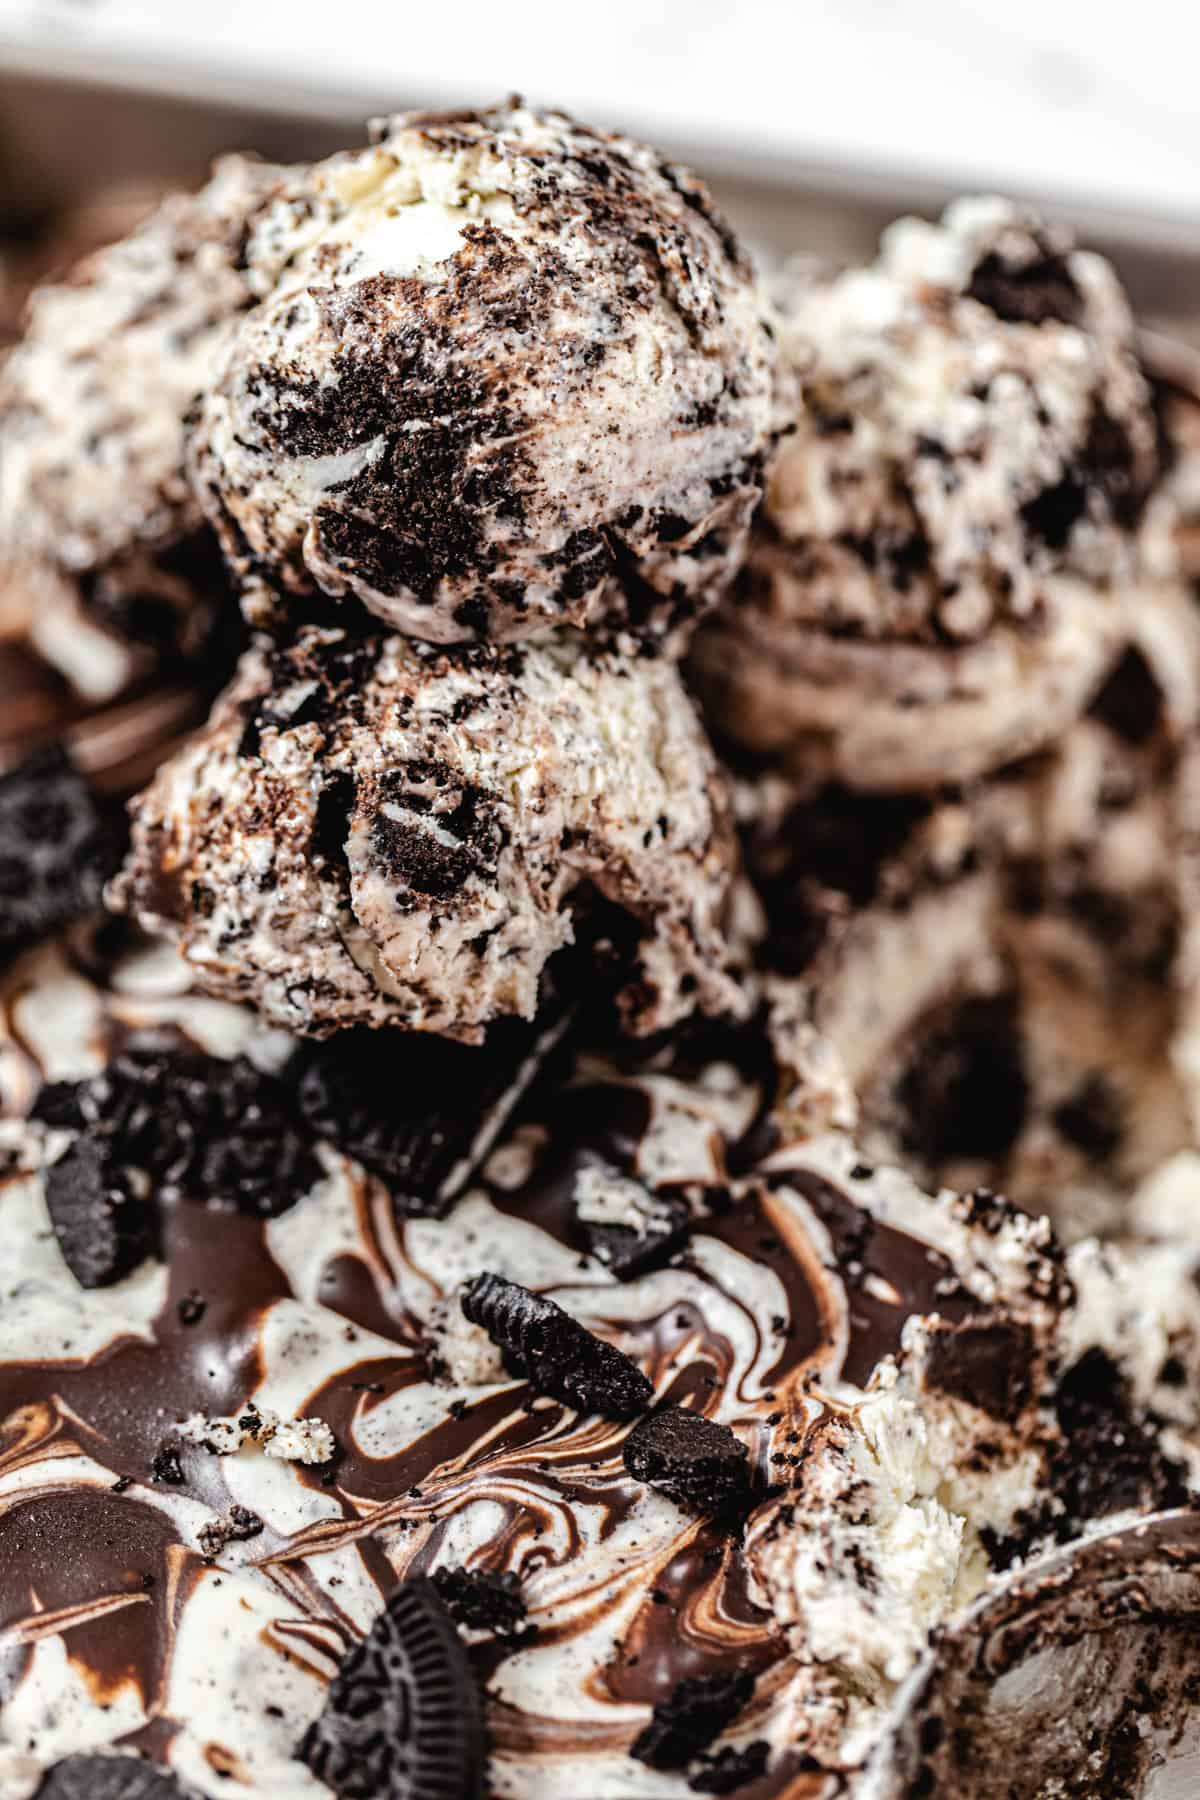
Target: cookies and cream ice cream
{"points": [[951, 531], [506, 372], [105, 556], [371, 831]]}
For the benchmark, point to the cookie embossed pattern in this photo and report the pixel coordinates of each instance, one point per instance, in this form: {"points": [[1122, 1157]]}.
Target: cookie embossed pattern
{"points": [[509, 1288]]}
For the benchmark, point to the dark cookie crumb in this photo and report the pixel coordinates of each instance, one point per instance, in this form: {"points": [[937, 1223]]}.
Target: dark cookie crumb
{"points": [[693, 1714], [702, 1465], [482, 1601]]}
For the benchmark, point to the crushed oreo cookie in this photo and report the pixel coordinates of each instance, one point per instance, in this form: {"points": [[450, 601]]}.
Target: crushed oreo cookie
{"points": [[730, 1769], [482, 1601], [100, 1213], [218, 1130], [556, 1354], [701, 1465], [693, 1714], [115, 1776]]}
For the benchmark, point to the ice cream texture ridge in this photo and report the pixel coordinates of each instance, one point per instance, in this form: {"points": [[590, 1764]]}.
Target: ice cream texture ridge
{"points": [[599, 1022]]}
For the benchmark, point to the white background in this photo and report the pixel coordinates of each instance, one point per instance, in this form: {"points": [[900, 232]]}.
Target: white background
{"points": [[1088, 106]]}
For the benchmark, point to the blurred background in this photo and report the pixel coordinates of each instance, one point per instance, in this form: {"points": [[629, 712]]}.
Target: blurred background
{"points": [[816, 120]]}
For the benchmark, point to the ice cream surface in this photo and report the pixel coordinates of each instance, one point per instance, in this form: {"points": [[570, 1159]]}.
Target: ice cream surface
{"points": [[506, 372], [371, 831], [279, 1414], [952, 529]]}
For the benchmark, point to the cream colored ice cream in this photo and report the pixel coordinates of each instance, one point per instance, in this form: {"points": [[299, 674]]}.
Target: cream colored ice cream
{"points": [[506, 372], [951, 535], [371, 831], [101, 540]]}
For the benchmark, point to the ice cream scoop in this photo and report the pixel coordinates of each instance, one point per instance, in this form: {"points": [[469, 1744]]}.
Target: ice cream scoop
{"points": [[106, 561], [371, 831], [507, 372], [951, 532]]}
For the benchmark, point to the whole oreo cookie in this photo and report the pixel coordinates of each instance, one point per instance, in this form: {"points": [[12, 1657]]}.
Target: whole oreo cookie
{"points": [[556, 1354], [404, 1716], [115, 1777], [701, 1465]]}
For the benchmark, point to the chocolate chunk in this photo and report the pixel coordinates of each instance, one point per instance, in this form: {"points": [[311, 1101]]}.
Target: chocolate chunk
{"points": [[987, 1362], [108, 1777], [403, 1719], [730, 1769], [703, 1466], [58, 847], [216, 1129], [554, 1352], [421, 1112], [687, 1721], [629, 1252], [105, 1227], [482, 1601]]}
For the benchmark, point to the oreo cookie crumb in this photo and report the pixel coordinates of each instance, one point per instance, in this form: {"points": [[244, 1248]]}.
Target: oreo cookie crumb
{"points": [[403, 1719], [730, 1769], [1111, 1459], [58, 847], [104, 1223], [117, 1776], [628, 1251], [482, 1601], [692, 1715], [966, 1093], [236, 1527], [556, 1354], [701, 1465], [166, 1467]]}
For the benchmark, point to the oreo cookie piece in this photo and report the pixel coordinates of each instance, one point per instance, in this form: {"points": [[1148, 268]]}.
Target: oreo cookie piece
{"points": [[623, 1225], [101, 1214], [404, 1716], [114, 1777], [731, 1769], [692, 1715], [58, 847], [421, 1112], [701, 1465], [216, 1129], [482, 1601], [554, 1352]]}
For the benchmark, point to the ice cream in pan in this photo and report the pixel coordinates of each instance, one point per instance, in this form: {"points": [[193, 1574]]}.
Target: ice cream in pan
{"points": [[479, 1316]]}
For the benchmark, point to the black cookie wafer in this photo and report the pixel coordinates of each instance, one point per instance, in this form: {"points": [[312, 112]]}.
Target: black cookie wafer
{"points": [[404, 1716], [692, 1715], [421, 1112], [556, 1354], [701, 1465], [101, 1214]]}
